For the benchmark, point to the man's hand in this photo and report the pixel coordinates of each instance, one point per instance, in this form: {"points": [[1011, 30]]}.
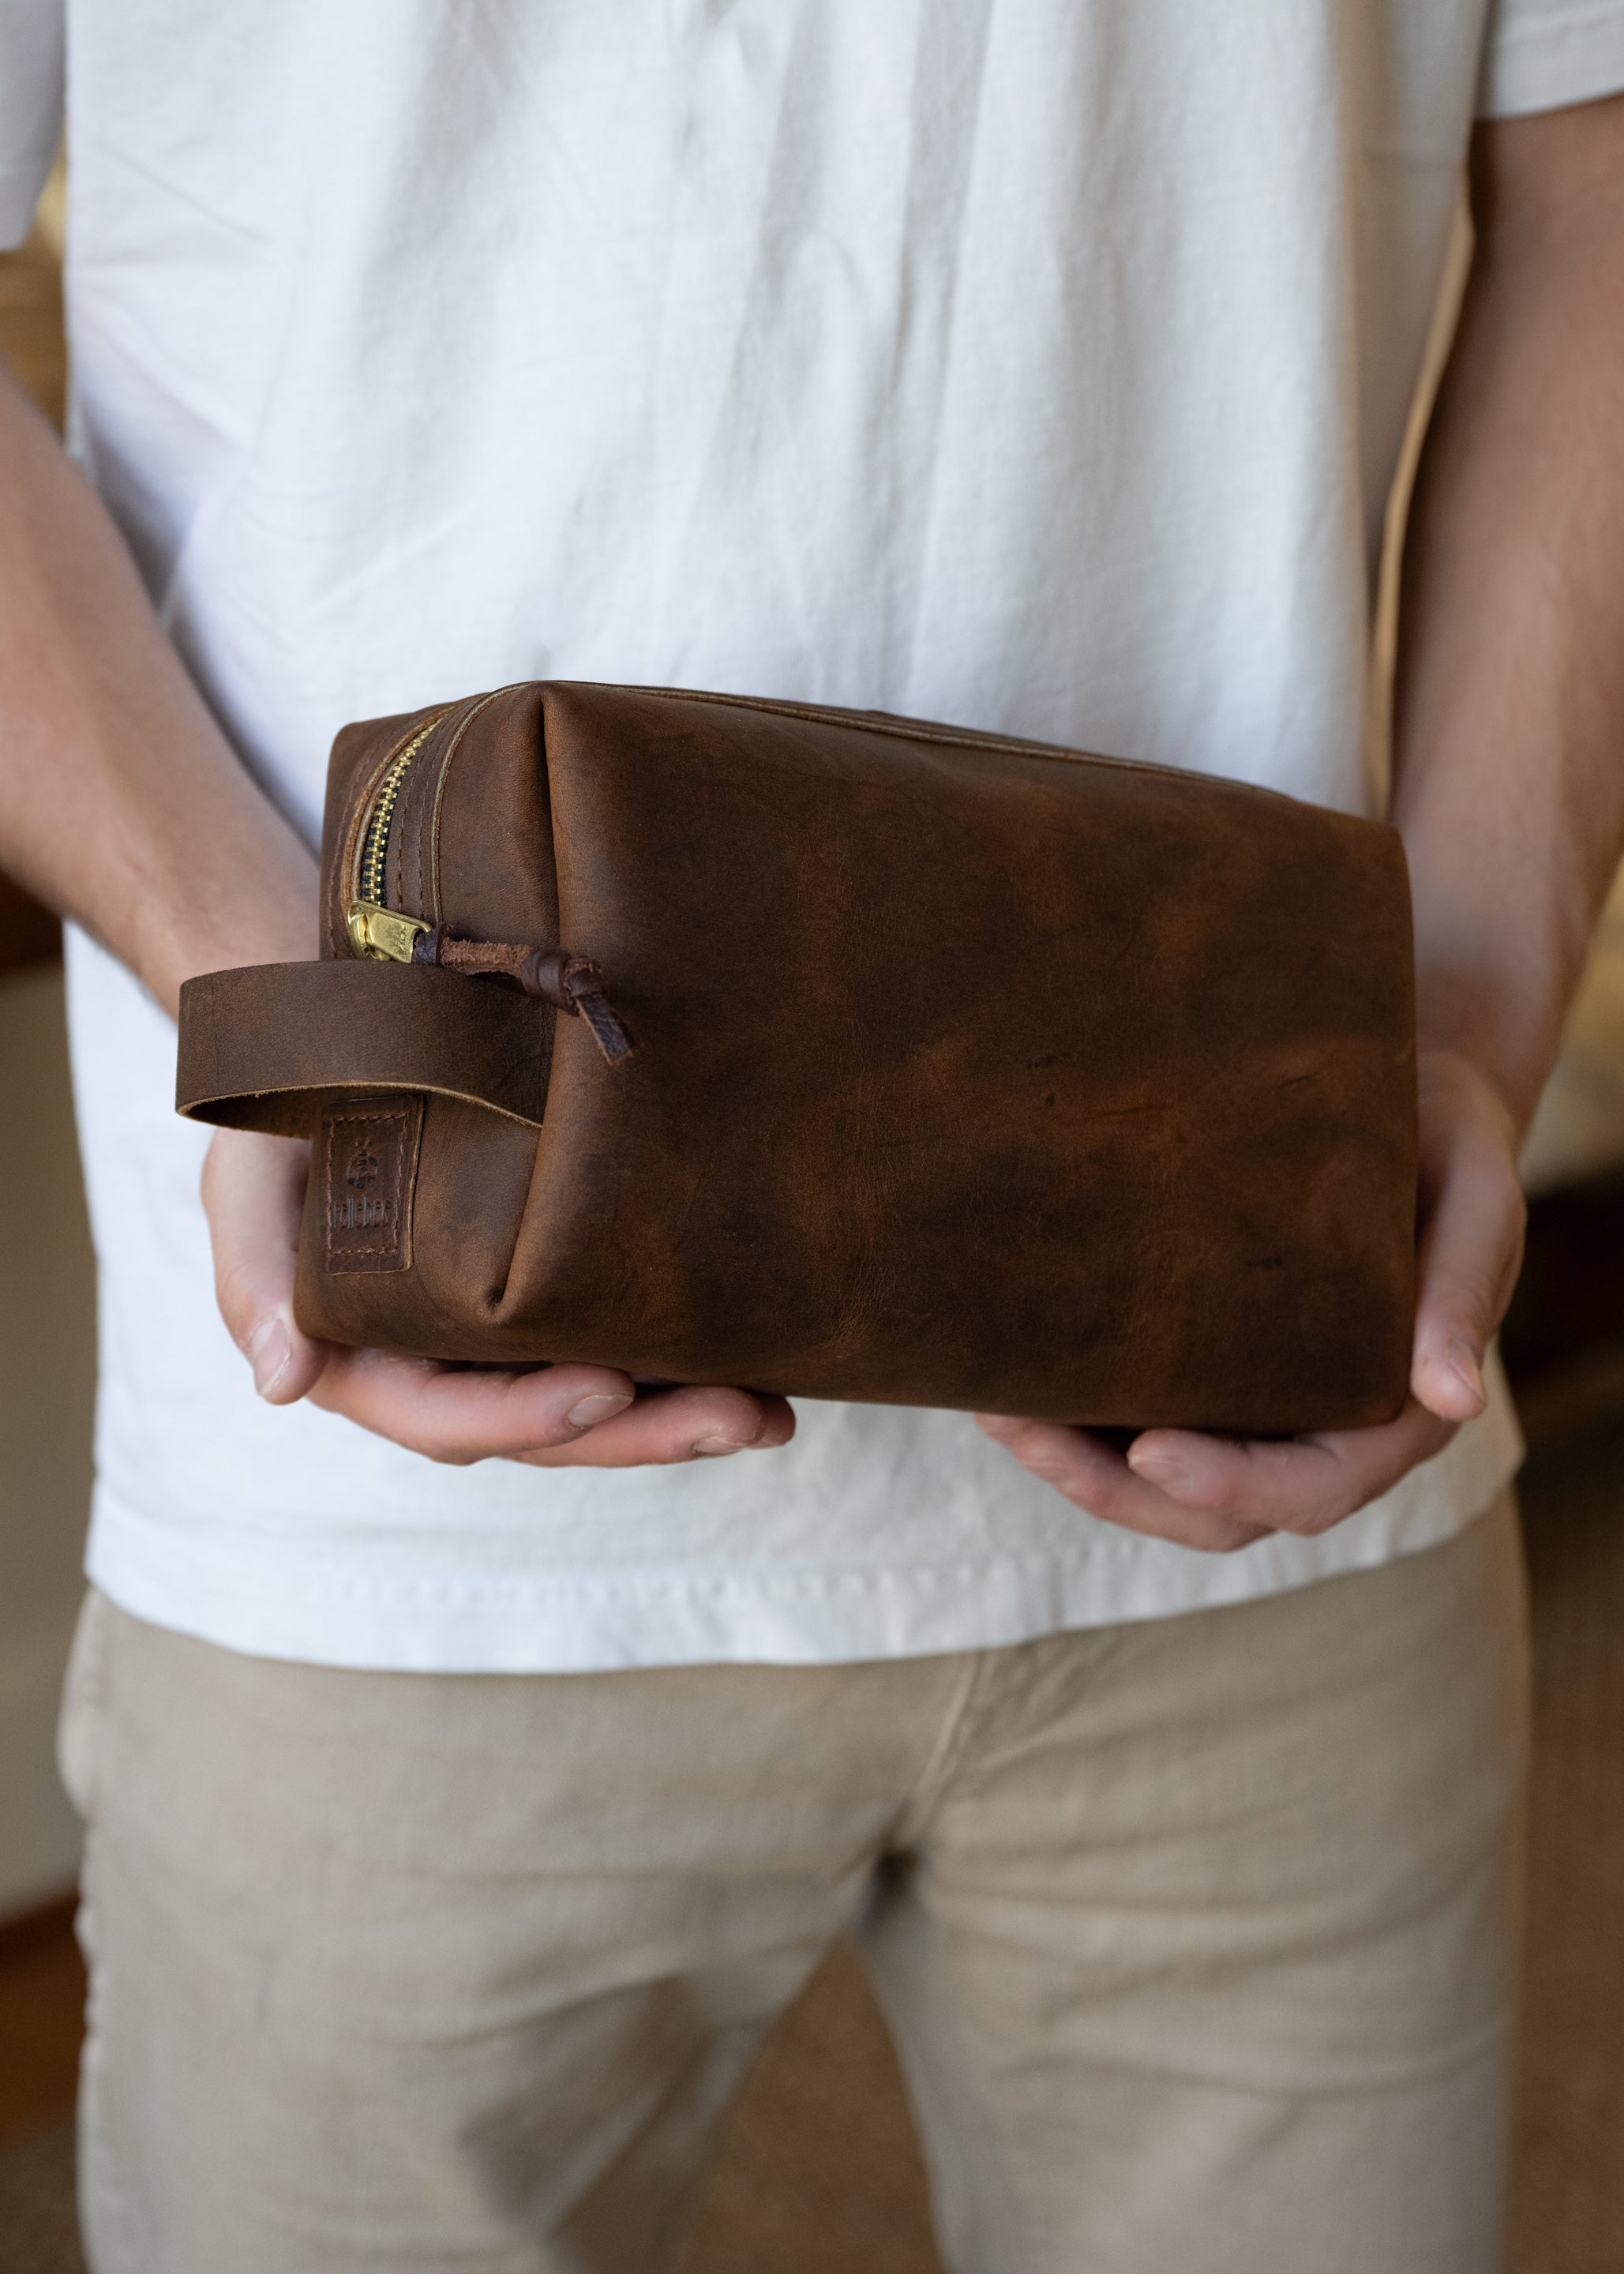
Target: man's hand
{"points": [[551, 1417], [122, 804], [1508, 727], [1222, 1494]]}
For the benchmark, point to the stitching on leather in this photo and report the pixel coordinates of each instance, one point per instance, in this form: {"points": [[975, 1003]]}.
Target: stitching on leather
{"points": [[404, 1184], [419, 846], [876, 722], [417, 1084], [500, 1294], [395, 1113], [433, 832], [471, 705]]}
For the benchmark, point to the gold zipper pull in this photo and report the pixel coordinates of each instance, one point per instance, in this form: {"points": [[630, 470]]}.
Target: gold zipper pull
{"points": [[381, 934]]}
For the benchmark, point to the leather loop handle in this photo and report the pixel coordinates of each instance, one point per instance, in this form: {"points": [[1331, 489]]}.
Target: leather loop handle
{"points": [[260, 1046]]}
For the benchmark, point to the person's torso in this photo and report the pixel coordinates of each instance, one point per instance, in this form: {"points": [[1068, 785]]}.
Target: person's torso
{"points": [[1035, 365]]}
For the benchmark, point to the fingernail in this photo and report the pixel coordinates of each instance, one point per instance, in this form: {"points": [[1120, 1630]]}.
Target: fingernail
{"points": [[710, 1447], [1160, 1472], [1463, 1364], [599, 1407], [269, 1350]]}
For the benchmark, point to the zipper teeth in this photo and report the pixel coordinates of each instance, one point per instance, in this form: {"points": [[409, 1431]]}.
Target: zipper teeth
{"points": [[375, 841]]}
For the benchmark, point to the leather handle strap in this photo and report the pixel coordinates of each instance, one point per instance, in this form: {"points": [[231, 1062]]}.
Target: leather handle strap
{"points": [[261, 1045]]}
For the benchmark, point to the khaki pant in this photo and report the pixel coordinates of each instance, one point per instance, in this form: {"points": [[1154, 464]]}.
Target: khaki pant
{"points": [[1194, 1936]]}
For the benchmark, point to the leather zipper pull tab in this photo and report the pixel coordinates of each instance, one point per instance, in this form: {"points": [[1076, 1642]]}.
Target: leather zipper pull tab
{"points": [[570, 982], [575, 984]]}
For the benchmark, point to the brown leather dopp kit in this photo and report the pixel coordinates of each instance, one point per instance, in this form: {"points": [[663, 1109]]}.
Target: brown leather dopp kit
{"points": [[845, 1056]]}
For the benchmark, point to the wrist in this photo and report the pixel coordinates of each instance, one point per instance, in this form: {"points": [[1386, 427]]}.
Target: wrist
{"points": [[229, 917], [1504, 1045], [1458, 1079]]}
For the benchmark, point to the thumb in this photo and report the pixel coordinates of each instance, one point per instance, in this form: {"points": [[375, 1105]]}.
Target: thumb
{"points": [[253, 1196], [1471, 1251]]}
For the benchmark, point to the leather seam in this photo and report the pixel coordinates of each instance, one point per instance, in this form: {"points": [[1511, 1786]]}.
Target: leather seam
{"points": [[432, 896], [417, 1085], [877, 723], [448, 714], [499, 1295]]}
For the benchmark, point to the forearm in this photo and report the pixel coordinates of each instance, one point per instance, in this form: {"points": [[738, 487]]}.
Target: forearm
{"points": [[1509, 716], [121, 803]]}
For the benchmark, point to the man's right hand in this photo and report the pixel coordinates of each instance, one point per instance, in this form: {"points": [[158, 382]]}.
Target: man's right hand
{"points": [[563, 1416], [122, 805]]}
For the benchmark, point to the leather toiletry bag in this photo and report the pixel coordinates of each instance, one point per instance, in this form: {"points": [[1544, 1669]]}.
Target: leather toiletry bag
{"points": [[845, 1056]]}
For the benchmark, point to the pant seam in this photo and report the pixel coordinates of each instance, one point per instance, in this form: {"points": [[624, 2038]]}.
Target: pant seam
{"points": [[945, 1753]]}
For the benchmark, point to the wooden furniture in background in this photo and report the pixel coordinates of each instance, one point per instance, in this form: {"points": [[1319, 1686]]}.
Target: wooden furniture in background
{"points": [[29, 934], [41, 2007]]}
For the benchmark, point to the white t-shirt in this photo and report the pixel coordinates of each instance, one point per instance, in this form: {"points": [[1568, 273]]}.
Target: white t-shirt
{"points": [[1039, 365]]}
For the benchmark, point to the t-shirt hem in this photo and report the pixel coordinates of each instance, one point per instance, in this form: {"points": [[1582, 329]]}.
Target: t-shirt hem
{"points": [[1577, 56], [580, 1621]]}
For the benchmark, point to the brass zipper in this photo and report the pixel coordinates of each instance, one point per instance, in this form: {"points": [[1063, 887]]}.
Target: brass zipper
{"points": [[569, 982], [375, 928]]}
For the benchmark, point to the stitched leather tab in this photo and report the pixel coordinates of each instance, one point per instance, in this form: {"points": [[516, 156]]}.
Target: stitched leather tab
{"points": [[260, 1047], [369, 1165]]}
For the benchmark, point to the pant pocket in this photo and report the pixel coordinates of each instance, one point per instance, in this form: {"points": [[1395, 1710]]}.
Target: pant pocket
{"points": [[84, 1691]]}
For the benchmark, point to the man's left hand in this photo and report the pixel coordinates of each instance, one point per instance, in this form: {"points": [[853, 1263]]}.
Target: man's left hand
{"points": [[1221, 1494]]}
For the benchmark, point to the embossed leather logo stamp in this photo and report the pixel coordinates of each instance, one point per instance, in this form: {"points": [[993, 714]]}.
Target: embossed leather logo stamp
{"points": [[364, 1166], [368, 1164]]}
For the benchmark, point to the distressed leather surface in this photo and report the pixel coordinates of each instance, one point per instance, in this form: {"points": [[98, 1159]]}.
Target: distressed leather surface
{"points": [[966, 1073]]}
